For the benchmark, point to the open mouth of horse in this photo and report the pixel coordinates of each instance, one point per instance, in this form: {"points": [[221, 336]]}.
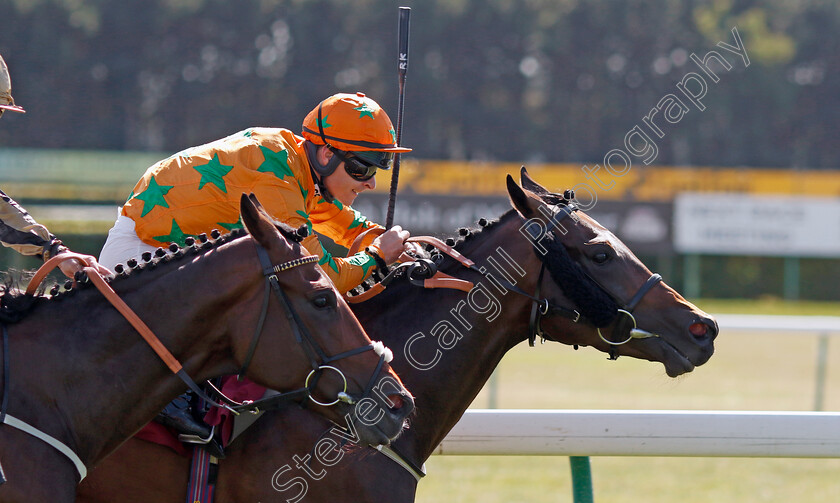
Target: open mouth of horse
{"points": [[676, 363], [655, 348], [398, 410], [377, 420], [676, 360]]}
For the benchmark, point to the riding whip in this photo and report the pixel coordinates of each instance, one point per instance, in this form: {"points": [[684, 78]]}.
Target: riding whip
{"points": [[405, 14]]}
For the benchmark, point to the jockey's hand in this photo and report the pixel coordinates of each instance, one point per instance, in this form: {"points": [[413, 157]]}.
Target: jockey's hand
{"points": [[392, 243], [70, 267]]}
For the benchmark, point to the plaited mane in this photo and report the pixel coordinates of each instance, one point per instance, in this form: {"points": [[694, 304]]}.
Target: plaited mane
{"points": [[14, 305], [196, 246], [467, 234]]}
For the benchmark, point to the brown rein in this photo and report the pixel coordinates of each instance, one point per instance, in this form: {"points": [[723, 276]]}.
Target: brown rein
{"points": [[112, 297], [310, 346], [439, 280]]}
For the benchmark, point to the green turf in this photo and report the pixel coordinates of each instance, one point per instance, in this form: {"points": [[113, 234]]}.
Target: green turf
{"points": [[748, 372]]}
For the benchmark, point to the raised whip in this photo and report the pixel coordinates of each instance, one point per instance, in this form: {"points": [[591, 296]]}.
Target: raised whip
{"points": [[405, 14]]}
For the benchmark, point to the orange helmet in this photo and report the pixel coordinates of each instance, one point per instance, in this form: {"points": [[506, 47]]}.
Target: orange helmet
{"points": [[6, 100], [351, 122]]}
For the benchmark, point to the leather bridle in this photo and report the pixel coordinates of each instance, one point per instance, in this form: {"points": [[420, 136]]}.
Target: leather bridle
{"points": [[541, 307], [318, 359], [624, 331]]}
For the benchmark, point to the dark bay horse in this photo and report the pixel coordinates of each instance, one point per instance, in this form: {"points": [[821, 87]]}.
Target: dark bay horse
{"points": [[449, 343], [81, 374]]}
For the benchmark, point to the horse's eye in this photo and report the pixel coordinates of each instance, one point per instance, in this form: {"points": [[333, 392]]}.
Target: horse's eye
{"points": [[323, 300], [600, 258]]}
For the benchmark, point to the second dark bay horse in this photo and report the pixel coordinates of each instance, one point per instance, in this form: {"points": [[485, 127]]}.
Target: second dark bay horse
{"points": [[78, 372], [589, 287]]}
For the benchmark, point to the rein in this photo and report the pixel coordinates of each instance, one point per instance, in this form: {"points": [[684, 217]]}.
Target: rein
{"points": [[270, 272], [423, 272], [313, 351], [111, 296]]}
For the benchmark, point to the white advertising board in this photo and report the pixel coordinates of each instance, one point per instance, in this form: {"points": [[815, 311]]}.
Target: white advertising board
{"points": [[738, 224]]}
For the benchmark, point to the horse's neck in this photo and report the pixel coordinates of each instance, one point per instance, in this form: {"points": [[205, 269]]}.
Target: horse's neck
{"points": [[82, 367], [488, 323]]}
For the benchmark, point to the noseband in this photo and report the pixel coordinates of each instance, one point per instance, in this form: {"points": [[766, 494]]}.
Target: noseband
{"points": [[625, 329], [318, 359], [626, 319]]}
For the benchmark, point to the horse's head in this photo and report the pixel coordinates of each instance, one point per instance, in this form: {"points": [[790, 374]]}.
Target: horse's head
{"points": [[348, 376], [624, 308]]}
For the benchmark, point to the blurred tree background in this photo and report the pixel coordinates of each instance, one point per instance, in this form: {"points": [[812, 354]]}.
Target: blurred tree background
{"points": [[501, 80]]}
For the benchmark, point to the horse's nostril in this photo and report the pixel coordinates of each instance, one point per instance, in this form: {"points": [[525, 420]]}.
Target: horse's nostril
{"points": [[699, 330], [396, 402]]}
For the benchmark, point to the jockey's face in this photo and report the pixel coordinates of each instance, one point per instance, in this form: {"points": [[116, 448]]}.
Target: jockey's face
{"points": [[342, 186]]}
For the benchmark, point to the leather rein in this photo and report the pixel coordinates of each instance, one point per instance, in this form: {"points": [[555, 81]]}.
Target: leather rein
{"points": [[314, 352], [318, 359], [423, 272]]}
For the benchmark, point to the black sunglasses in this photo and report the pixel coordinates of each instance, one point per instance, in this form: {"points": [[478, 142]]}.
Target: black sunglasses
{"points": [[358, 168]]}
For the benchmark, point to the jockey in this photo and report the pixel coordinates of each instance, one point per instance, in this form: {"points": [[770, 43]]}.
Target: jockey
{"points": [[306, 180], [18, 230], [309, 180]]}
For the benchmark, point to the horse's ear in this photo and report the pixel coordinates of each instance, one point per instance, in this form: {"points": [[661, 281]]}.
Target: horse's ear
{"points": [[256, 221], [519, 199], [253, 198], [529, 183], [250, 213]]}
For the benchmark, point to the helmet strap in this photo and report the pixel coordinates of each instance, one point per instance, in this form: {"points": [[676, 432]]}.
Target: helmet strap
{"points": [[320, 171]]}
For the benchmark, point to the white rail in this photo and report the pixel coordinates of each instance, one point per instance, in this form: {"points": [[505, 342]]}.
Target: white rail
{"points": [[665, 433], [809, 325], [645, 433]]}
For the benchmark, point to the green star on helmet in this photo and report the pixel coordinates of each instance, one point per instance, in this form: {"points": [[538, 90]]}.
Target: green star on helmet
{"points": [[365, 110], [323, 123]]}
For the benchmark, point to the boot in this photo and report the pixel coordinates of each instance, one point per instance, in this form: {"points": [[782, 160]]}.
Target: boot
{"points": [[178, 415], [213, 447]]}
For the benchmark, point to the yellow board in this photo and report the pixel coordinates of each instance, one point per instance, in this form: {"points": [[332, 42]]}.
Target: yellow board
{"points": [[109, 176], [639, 183]]}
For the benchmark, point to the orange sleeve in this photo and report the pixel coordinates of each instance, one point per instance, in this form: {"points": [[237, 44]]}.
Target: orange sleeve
{"points": [[345, 273], [340, 223], [198, 189], [286, 201]]}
